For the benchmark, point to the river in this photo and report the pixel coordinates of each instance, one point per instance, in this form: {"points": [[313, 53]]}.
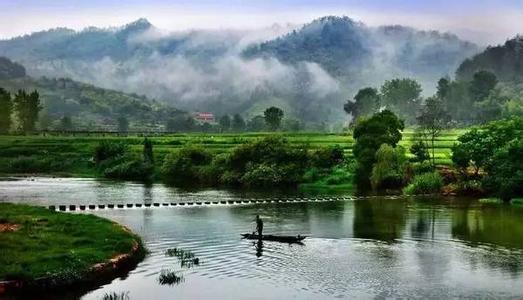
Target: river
{"points": [[365, 248]]}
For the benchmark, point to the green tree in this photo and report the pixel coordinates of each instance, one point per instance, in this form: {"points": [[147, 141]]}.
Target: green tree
{"points": [[505, 171], [389, 169], [369, 134], [225, 122], [66, 124], [419, 150], [27, 107], [180, 123], [238, 123], [273, 117], [477, 147], [257, 123], [443, 88], [482, 84], [402, 96], [123, 124], [366, 102], [6, 109], [432, 120], [148, 156]]}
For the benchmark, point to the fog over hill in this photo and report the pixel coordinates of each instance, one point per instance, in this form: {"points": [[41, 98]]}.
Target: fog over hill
{"points": [[308, 70]]}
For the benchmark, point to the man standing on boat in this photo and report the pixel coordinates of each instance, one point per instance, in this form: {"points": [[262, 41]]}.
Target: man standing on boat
{"points": [[259, 225]]}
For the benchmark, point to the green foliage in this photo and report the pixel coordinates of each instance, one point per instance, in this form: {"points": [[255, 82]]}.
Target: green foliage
{"points": [[186, 164], [6, 109], [238, 123], [505, 171], [477, 147], [123, 124], [28, 164], [66, 124], [27, 107], [432, 120], [225, 122], [327, 157], [108, 150], [483, 82], [389, 169], [427, 183], [182, 123], [369, 134], [366, 102], [129, 168], [10, 69], [403, 97], [256, 124], [420, 152], [148, 153], [273, 117]]}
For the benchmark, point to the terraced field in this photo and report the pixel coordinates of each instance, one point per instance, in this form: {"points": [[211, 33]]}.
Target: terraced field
{"points": [[72, 154]]}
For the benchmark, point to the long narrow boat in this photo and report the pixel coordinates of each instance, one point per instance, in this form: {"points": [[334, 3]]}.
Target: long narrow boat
{"points": [[275, 238]]}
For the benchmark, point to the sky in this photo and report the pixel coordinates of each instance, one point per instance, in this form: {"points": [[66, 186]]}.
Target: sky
{"points": [[481, 21]]}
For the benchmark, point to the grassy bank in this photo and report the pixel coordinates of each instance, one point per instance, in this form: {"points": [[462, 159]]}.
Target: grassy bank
{"points": [[38, 243], [71, 155]]}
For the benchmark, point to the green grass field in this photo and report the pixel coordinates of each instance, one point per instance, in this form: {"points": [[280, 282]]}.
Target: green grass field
{"points": [[48, 243], [70, 155]]}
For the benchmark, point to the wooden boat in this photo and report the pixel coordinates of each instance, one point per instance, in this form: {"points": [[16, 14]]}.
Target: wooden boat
{"points": [[275, 238]]}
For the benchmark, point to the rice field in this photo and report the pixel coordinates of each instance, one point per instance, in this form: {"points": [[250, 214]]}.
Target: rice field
{"points": [[72, 153]]}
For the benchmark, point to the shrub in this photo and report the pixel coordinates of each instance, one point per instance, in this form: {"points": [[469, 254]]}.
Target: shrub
{"points": [[26, 164], [427, 183], [186, 164], [108, 150], [420, 152], [388, 171], [134, 169], [327, 157]]}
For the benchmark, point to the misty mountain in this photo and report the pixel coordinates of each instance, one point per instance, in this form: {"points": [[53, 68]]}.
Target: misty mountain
{"points": [[308, 71], [10, 70], [89, 106], [506, 61], [369, 55]]}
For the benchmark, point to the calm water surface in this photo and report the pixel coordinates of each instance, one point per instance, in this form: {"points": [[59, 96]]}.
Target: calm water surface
{"points": [[401, 248]]}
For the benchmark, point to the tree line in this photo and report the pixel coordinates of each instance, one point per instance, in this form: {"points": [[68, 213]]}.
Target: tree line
{"points": [[23, 106]]}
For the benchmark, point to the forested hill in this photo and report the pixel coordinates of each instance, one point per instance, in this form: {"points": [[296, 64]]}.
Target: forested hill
{"points": [[505, 61], [89, 107], [345, 47], [309, 72]]}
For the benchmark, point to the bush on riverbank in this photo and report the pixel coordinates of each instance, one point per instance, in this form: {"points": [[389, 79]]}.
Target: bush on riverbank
{"points": [[271, 161], [427, 183], [53, 244]]}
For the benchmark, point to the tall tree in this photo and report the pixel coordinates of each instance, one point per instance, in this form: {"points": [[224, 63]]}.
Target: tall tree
{"points": [[273, 117], [66, 124], [369, 134], [402, 96], [6, 109], [432, 120], [148, 156], [238, 123], [366, 102], [225, 122], [443, 88], [482, 84], [27, 107], [123, 124]]}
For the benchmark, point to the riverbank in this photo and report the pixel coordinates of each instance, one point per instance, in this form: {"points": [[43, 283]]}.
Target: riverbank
{"points": [[45, 250], [70, 155]]}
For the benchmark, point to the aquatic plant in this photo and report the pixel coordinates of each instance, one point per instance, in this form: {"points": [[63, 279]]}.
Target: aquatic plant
{"points": [[187, 258], [169, 277], [116, 296]]}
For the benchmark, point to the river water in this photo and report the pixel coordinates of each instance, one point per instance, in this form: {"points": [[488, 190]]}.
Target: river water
{"points": [[364, 248]]}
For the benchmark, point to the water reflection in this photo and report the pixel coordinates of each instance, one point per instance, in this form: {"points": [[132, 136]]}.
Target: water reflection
{"points": [[397, 248], [379, 219]]}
